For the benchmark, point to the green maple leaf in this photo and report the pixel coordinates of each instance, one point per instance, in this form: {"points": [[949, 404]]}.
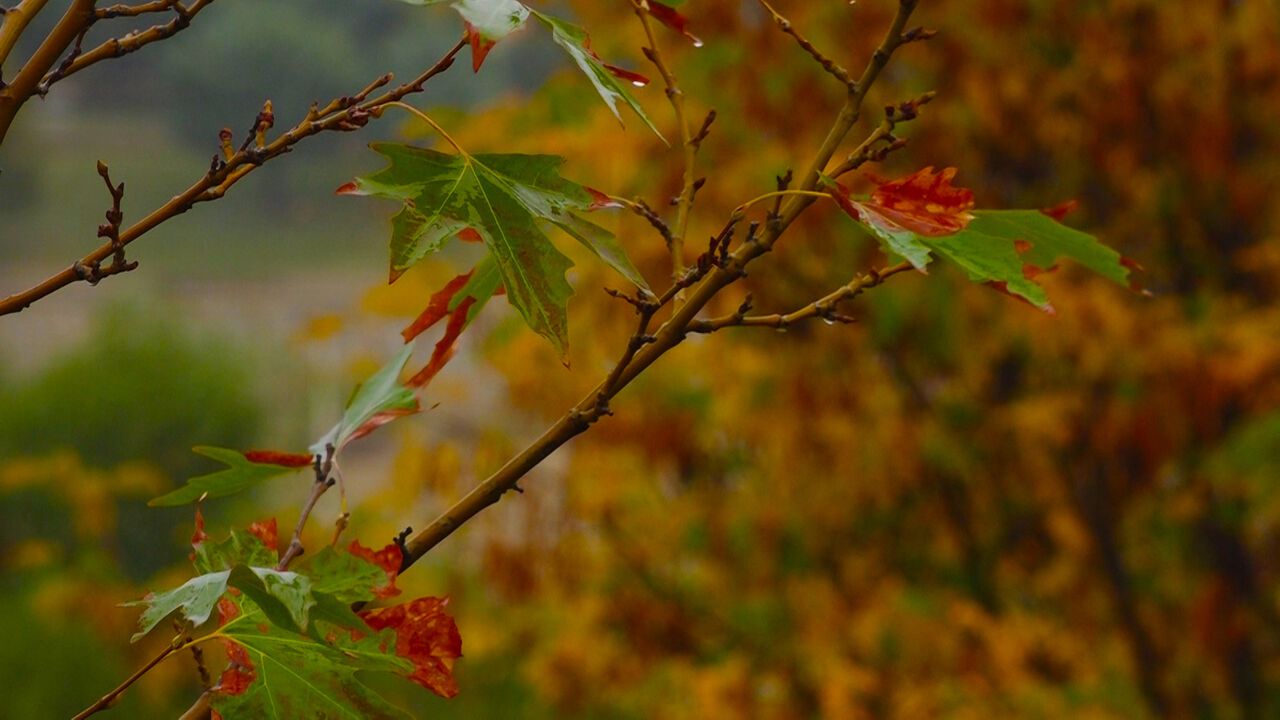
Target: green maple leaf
{"points": [[504, 198], [296, 676], [576, 42], [377, 401], [240, 474]]}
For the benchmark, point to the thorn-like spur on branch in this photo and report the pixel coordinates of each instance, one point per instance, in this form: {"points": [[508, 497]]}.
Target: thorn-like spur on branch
{"points": [[827, 63], [825, 308], [344, 114], [867, 150]]}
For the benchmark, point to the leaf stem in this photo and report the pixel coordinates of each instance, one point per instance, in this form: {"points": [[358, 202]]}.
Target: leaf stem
{"points": [[742, 209], [434, 125]]}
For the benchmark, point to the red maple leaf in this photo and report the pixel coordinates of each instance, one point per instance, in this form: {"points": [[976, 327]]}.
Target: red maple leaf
{"points": [[427, 636], [924, 202], [265, 530], [388, 558]]}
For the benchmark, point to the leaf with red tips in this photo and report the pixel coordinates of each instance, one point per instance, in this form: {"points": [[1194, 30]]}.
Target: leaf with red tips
{"points": [[265, 530], [240, 474], [348, 188], [1059, 211], [635, 78], [427, 636], [437, 307], [240, 673], [479, 46], [284, 674], [388, 558], [599, 200], [376, 402], [577, 43], [275, 457], [469, 235], [924, 203], [199, 535], [668, 16], [1007, 249]]}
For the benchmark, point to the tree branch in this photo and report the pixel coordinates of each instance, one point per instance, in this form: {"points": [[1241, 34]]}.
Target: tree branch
{"points": [[342, 114], [824, 307], [117, 47], [12, 97], [14, 24], [671, 333], [109, 699]]}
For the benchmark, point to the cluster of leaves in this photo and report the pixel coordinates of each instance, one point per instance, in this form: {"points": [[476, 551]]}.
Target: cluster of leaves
{"points": [[293, 642]]}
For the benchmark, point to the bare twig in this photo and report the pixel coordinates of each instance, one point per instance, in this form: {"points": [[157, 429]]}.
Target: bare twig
{"points": [[109, 699], [323, 468], [78, 16], [118, 47], [345, 114], [688, 144], [824, 307], [867, 150], [827, 63]]}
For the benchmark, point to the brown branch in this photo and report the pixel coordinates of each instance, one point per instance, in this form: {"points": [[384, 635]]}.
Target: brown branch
{"points": [[323, 468], [343, 114], [118, 47], [824, 307], [827, 63], [78, 16], [671, 333], [14, 24], [867, 150], [109, 699], [155, 6]]}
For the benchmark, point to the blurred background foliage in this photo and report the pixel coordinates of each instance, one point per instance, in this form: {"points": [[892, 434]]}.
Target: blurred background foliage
{"points": [[958, 507]]}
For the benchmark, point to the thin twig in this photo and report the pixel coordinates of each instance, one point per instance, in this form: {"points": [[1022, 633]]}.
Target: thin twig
{"points": [[824, 307], [121, 46], [109, 699], [323, 468], [827, 63], [223, 174], [867, 150], [13, 96], [675, 239]]}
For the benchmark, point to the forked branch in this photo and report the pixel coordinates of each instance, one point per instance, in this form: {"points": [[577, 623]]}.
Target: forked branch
{"points": [[342, 114]]}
